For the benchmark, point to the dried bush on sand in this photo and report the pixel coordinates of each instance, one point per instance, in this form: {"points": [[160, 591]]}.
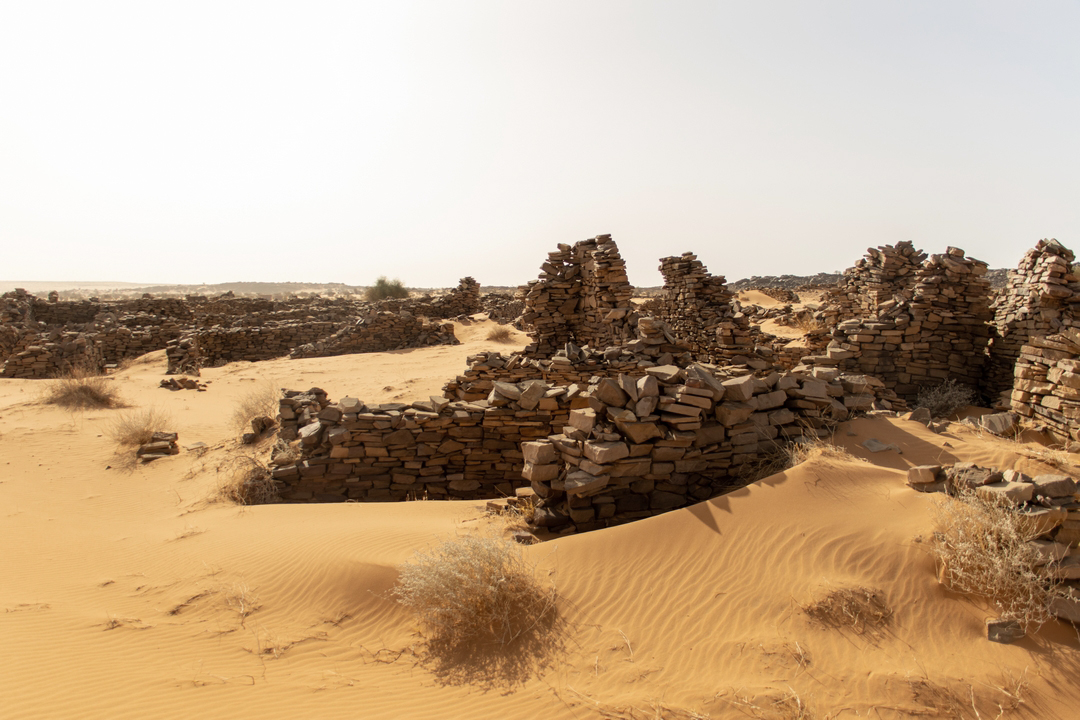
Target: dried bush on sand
{"points": [[862, 609], [136, 427], [248, 482], [384, 289], [944, 399], [500, 334], [782, 456], [982, 548], [474, 589], [81, 389], [262, 400]]}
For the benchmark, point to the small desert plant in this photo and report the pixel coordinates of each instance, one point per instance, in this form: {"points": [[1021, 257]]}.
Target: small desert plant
{"points": [[500, 334], [983, 548], [861, 609], [137, 427], [944, 399], [808, 324], [248, 482], [263, 400], [384, 289], [475, 589], [80, 389]]}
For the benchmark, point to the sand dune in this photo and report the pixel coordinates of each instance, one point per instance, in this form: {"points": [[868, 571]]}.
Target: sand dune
{"points": [[134, 593]]}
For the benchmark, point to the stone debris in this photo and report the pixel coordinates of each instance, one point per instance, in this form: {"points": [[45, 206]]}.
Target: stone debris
{"points": [[182, 383], [162, 444]]}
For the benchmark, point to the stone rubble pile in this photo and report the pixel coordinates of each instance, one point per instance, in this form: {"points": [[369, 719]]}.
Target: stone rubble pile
{"points": [[162, 444]]}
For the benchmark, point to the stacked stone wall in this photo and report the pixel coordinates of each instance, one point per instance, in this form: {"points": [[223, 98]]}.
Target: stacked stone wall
{"points": [[650, 440], [875, 285], [1046, 386], [700, 311], [940, 334], [1039, 299], [582, 296], [380, 332]]}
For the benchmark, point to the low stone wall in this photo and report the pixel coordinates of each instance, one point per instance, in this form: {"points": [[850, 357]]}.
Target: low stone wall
{"points": [[687, 435], [52, 358], [674, 436], [380, 332], [216, 346]]}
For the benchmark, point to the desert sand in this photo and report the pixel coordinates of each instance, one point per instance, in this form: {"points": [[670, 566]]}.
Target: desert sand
{"points": [[135, 593]]}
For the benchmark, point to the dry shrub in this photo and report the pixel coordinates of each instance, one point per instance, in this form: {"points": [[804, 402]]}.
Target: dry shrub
{"points": [[248, 482], [475, 590], [80, 389], [982, 549], [135, 428], [782, 456], [815, 449], [808, 324], [500, 334], [262, 400], [945, 399], [860, 609]]}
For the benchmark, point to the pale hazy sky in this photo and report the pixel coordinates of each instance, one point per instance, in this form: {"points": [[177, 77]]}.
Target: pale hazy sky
{"points": [[188, 142]]}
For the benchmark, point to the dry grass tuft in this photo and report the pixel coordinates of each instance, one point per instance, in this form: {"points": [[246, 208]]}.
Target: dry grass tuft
{"points": [[808, 324], [782, 456], [262, 400], [982, 549], [945, 399], [860, 609], [475, 590], [500, 334], [248, 482], [817, 450], [80, 389], [135, 428]]}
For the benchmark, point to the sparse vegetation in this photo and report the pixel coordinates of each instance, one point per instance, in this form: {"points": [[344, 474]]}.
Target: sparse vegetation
{"points": [[782, 456], [945, 399], [475, 589], [137, 427], [500, 334], [861, 609], [248, 482], [384, 289], [262, 400], [80, 389], [982, 548]]}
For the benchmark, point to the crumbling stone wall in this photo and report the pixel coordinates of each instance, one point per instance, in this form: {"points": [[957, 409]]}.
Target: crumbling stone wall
{"points": [[699, 309], [582, 296], [1038, 300], [1046, 385], [876, 284], [52, 355], [941, 333], [380, 332], [651, 440]]}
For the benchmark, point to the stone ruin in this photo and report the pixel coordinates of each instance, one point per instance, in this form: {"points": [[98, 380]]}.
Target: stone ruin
{"points": [[41, 339], [912, 333], [631, 439], [582, 296]]}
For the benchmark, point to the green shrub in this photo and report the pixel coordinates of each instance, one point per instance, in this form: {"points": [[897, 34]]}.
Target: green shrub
{"points": [[384, 289]]}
